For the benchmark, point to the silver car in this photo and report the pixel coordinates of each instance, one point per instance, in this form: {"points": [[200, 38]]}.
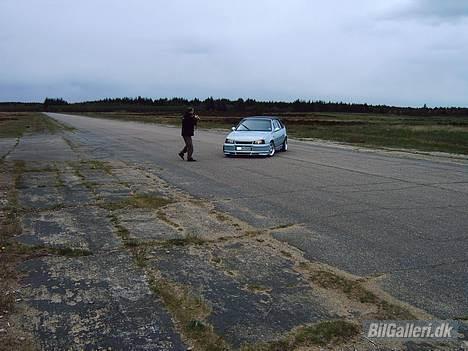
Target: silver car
{"points": [[257, 135]]}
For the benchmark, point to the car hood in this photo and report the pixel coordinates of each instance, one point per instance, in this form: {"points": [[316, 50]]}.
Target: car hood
{"points": [[248, 135]]}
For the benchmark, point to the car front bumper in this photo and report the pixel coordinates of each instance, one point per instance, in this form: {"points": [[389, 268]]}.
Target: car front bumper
{"points": [[249, 149]]}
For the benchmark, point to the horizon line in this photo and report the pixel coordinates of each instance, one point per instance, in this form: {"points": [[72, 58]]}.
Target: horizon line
{"points": [[236, 99]]}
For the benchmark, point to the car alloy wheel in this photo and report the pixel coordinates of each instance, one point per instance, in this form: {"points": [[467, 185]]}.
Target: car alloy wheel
{"points": [[272, 149]]}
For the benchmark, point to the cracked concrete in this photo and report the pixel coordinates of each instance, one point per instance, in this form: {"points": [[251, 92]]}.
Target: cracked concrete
{"points": [[7, 145], [220, 242], [99, 300], [254, 295], [144, 225], [86, 228]]}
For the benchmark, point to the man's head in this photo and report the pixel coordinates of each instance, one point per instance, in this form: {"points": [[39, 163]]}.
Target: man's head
{"points": [[191, 110]]}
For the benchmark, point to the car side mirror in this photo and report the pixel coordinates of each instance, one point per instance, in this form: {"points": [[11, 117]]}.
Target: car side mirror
{"points": [[276, 129], [233, 128]]}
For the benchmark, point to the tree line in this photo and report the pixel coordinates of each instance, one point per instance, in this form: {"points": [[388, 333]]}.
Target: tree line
{"points": [[225, 107]]}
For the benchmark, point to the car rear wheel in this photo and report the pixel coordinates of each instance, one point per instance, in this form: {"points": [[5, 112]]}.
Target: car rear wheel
{"points": [[272, 149], [285, 145]]}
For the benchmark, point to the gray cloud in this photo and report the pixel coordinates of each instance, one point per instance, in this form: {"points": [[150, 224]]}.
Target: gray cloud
{"points": [[436, 10], [265, 49], [445, 8]]}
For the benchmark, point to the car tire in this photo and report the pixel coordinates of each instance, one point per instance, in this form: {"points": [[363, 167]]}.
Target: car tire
{"points": [[284, 147], [272, 149]]}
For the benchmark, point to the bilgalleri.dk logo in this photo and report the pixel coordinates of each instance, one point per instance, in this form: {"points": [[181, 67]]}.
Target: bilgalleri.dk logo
{"points": [[430, 329]]}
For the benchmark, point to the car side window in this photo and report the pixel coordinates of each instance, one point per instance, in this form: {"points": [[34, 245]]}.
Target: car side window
{"points": [[280, 122], [275, 124]]}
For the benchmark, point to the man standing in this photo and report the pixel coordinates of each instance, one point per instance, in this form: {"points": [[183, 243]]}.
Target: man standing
{"points": [[189, 121]]}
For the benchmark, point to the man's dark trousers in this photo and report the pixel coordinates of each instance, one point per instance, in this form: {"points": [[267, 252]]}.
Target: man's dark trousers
{"points": [[188, 148]]}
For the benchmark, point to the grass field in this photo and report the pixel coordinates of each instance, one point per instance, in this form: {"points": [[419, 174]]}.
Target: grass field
{"points": [[16, 124], [444, 134]]}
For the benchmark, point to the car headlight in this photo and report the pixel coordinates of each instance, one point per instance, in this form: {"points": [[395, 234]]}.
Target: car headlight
{"points": [[229, 141], [259, 141]]}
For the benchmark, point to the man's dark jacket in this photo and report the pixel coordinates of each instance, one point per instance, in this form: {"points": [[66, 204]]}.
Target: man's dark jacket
{"points": [[188, 124]]}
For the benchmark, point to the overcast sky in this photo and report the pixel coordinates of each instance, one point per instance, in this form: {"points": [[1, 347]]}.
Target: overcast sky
{"points": [[401, 52]]}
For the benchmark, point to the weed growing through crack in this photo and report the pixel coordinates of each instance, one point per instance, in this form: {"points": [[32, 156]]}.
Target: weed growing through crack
{"points": [[139, 255], [70, 252], [41, 169], [286, 254], [190, 312], [122, 232], [163, 217], [137, 201], [98, 164], [216, 259], [256, 288], [189, 239], [356, 291], [282, 226], [132, 242], [29, 251], [87, 184], [327, 332], [11, 225], [321, 334], [221, 217], [148, 201], [58, 179], [390, 311]]}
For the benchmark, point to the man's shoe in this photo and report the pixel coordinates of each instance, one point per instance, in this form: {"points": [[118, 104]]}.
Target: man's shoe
{"points": [[181, 155], [191, 160]]}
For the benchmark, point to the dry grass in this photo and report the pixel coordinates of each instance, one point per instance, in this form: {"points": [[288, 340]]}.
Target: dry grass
{"points": [[435, 133], [16, 124]]}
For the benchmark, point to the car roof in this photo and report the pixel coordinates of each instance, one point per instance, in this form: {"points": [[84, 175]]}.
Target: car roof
{"points": [[261, 117]]}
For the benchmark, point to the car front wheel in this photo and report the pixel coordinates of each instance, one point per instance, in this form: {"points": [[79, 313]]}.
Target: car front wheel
{"points": [[272, 149]]}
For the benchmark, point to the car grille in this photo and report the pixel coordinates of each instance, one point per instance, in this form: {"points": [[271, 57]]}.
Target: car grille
{"points": [[244, 142]]}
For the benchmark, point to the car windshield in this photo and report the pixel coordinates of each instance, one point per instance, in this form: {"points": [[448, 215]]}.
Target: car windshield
{"points": [[254, 124]]}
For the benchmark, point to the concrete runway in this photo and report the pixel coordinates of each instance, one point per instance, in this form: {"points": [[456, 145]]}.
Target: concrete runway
{"points": [[399, 220]]}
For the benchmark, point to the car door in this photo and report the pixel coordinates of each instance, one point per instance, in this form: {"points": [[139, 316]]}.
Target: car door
{"points": [[283, 131], [276, 133]]}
